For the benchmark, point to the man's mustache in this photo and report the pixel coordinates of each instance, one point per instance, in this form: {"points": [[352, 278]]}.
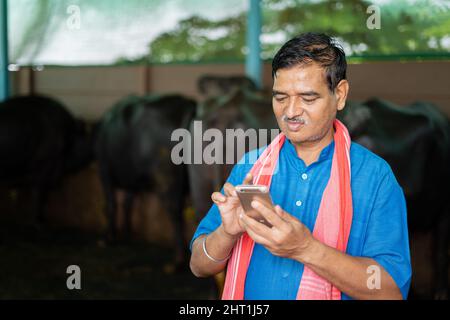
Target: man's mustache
{"points": [[285, 118]]}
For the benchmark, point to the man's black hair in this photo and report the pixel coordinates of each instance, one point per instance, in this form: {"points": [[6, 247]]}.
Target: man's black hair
{"points": [[313, 47]]}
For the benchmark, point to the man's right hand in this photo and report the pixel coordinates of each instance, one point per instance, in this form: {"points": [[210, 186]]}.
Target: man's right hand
{"points": [[230, 208]]}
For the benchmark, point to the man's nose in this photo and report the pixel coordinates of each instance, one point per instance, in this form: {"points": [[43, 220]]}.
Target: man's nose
{"points": [[294, 107]]}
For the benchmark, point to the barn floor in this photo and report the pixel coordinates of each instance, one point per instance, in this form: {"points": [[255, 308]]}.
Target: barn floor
{"points": [[34, 262]]}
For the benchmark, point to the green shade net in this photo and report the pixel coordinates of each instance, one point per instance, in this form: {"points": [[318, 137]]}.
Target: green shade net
{"points": [[103, 32], [108, 32]]}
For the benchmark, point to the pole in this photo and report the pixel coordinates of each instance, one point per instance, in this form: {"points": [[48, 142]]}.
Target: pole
{"points": [[4, 74], [253, 63]]}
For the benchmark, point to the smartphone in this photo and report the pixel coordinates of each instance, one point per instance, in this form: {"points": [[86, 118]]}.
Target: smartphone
{"points": [[248, 193]]}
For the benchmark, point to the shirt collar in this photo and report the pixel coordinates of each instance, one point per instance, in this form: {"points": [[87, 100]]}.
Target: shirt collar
{"points": [[325, 154]]}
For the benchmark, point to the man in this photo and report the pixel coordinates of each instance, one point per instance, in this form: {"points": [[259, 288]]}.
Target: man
{"points": [[339, 228]]}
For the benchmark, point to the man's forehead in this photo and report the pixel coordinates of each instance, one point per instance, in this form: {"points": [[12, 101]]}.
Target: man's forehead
{"points": [[301, 70], [305, 77]]}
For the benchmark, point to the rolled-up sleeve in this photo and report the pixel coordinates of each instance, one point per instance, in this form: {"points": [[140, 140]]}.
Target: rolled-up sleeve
{"points": [[386, 240]]}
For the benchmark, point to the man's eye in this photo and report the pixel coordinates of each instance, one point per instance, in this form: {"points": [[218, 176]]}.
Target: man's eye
{"points": [[280, 99], [309, 100]]}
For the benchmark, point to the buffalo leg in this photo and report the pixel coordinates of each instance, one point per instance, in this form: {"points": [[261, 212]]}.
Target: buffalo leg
{"points": [[176, 215], [111, 213], [49, 176], [174, 200], [111, 207], [39, 199], [201, 188], [128, 211]]}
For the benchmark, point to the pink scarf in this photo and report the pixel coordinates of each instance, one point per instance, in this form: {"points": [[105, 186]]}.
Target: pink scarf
{"points": [[332, 226]]}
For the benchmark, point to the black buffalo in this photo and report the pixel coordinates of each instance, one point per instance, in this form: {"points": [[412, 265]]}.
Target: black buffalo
{"points": [[242, 108], [239, 110], [133, 149], [215, 85], [40, 142], [415, 141]]}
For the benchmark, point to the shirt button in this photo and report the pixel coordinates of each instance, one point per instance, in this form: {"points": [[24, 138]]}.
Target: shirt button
{"points": [[298, 203], [304, 176]]}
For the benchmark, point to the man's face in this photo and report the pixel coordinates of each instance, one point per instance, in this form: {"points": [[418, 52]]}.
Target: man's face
{"points": [[303, 105]]}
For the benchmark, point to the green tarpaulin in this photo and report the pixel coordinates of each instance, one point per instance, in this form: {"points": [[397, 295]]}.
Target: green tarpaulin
{"points": [[103, 32]]}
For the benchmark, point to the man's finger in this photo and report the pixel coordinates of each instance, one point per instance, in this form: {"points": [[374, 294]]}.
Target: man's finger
{"points": [[284, 215], [256, 226], [248, 179], [229, 190], [273, 218], [218, 198], [281, 213], [258, 238]]}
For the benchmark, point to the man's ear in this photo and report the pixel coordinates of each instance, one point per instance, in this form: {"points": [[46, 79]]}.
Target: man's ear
{"points": [[341, 93]]}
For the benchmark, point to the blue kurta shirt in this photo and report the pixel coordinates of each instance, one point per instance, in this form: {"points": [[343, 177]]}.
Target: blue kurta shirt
{"points": [[379, 227]]}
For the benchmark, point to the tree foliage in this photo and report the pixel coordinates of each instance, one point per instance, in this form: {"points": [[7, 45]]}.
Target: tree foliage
{"points": [[198, 39], [408, 28]]}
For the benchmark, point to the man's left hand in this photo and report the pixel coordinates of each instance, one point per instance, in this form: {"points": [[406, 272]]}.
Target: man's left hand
{"points": [[287, 237]]}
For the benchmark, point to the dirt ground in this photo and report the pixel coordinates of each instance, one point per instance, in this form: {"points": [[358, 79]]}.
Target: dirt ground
{"points": [[34, 264]]}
